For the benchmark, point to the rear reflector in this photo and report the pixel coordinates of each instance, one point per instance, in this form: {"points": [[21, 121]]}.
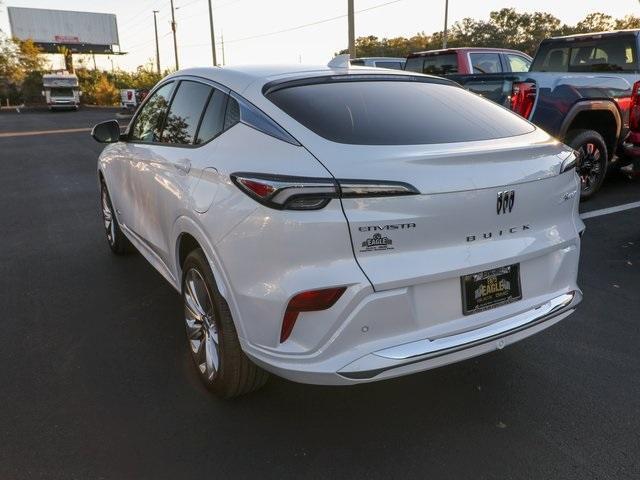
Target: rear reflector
{"points": [[523, 96], [310, 301]]}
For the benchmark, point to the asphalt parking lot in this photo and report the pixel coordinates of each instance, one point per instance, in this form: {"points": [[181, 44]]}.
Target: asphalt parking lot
{"points": [[97, 381]]}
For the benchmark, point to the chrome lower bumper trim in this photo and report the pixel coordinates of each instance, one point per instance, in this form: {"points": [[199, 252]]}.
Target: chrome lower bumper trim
{"points": [[421, 350]]}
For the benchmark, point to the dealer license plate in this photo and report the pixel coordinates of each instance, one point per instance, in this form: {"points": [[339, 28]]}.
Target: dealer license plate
{"points": [[490, 289]]}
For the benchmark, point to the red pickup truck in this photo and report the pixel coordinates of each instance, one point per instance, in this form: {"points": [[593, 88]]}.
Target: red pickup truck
{"points": [[468, 61]]}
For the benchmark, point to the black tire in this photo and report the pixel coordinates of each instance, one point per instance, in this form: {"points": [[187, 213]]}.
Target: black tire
{"points": [[593, 160], [235, 374], [118, 243]]}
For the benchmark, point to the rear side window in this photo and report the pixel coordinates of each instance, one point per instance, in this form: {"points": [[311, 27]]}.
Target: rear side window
{"points": [[485, 62], [148, 123], [213, 118], [233, 113], [396, 113], [614, 54], [518, 63], [388, 64], [185, 112], [414, 64], [440, 64]]}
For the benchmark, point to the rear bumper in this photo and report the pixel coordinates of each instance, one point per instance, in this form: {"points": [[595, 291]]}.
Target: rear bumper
{"points": [[463, 345], [427, 353]]}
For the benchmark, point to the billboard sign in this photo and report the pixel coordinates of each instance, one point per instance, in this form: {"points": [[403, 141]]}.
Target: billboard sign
{"points": [[80, 32]]}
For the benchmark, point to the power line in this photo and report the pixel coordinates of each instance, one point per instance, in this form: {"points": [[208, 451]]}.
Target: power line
{"points": [[298, 27], [129, 20]]}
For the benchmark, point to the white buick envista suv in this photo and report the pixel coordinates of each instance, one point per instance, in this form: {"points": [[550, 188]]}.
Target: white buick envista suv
{"points": [[337, 225]]}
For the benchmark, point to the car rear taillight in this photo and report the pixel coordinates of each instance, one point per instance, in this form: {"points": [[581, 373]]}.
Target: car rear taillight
{"points": [[285, 192], [634, 108], [523, 96], [310, 301]]}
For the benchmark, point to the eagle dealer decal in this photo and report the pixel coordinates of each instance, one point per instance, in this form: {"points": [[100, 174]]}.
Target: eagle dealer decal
{"points": [[376, 242]]}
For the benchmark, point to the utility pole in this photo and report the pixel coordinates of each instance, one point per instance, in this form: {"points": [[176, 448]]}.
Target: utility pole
{"points": [[173, 29], [222, 41], [155, 26], [352, 30], [446, 18], [213, 37]]}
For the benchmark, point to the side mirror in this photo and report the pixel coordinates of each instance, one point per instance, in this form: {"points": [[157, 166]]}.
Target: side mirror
{"points": [[106, 132]]}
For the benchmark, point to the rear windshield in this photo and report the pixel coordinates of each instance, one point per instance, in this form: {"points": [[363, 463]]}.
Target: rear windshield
{"points": [[396, 113], [614, 54], [433, 64]]}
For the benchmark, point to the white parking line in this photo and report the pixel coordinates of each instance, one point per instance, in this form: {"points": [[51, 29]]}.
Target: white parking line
{"points": [[607, 211], [43, 132]]}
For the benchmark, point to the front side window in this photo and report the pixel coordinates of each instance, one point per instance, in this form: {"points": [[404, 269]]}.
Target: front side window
{"points": [[148, 123], [185, 112], [518, 63], [485, 62], [391, 112]]}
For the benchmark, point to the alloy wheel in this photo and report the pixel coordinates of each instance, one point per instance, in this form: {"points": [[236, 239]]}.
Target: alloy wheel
{"points": [[202, 328], [589, 166], [108, 218]]}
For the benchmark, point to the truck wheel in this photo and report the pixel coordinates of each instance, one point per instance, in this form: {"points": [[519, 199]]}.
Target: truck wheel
{"points": [[592, 160]]}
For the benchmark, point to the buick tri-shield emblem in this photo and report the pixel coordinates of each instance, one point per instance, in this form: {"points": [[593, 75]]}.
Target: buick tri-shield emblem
{"points": [[505, 202]]}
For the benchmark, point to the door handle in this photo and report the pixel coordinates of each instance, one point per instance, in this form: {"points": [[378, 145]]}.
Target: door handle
{"points": [[183, 165]]}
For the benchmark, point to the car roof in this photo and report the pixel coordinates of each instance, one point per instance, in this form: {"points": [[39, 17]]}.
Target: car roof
{"points": [[462, 49], [595, 34], [239, 78], [392, 59]]}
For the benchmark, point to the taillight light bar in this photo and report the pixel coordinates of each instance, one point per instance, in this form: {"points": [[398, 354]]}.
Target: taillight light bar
{"points": [[523, 96], [284, 192], [309, 301]]}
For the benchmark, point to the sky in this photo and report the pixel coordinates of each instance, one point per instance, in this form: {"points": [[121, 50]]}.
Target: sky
{"points": [[259, 31]]}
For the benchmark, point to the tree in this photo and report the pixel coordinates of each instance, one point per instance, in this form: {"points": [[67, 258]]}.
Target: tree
{"points": [[596, 22], [21, 68], [505, 28], [105, 92], [629, 21]]}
